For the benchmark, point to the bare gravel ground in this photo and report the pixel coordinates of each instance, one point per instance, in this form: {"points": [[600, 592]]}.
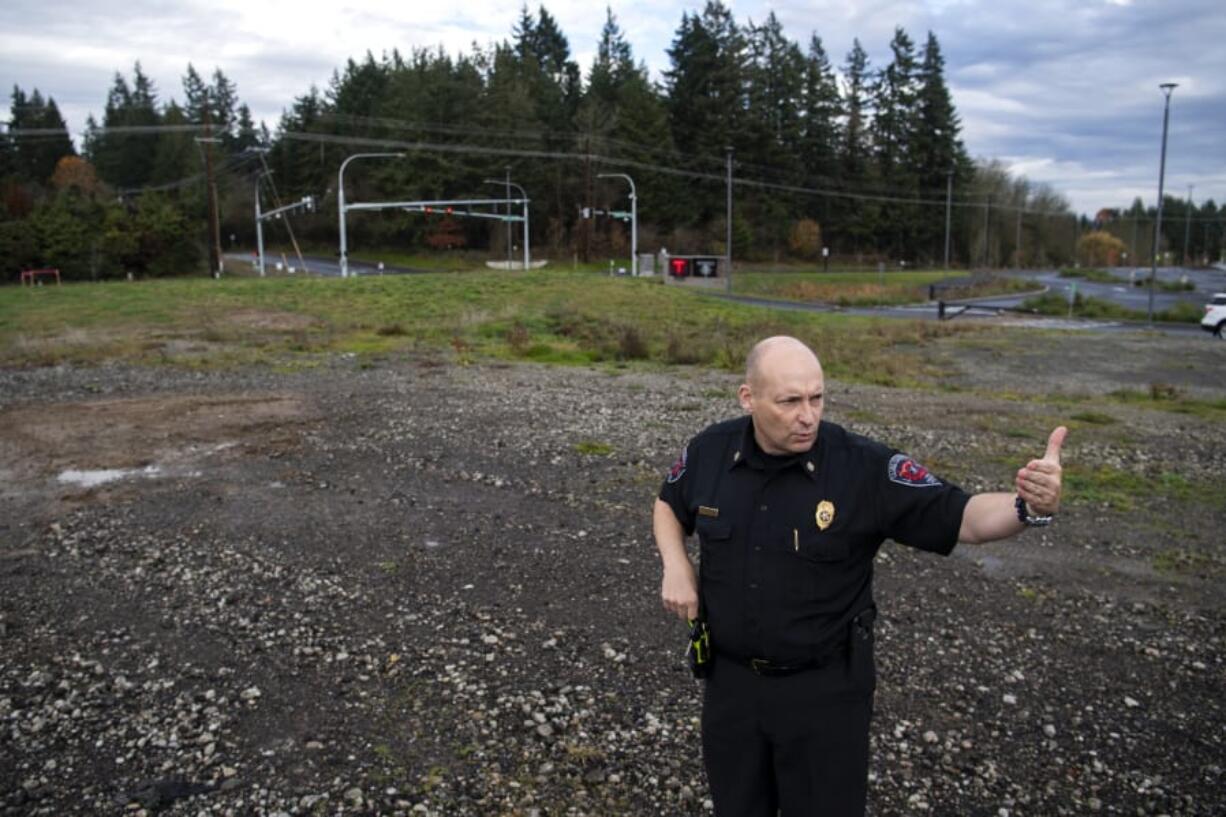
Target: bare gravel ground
{"points": [[422, 588]]}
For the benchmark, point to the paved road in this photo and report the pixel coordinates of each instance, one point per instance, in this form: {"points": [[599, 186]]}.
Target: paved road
{"points": [[1206, 283], [1124, 294]]}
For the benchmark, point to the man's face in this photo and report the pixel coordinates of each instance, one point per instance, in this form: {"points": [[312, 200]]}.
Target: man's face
{"points": [[785, 401]]}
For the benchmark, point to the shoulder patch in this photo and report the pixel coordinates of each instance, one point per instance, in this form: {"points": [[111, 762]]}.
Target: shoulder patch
{"points": [[678, 470], [906, 471]]}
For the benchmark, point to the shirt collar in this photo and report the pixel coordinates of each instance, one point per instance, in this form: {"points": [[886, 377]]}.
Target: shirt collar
{"points": [[747, 453]]}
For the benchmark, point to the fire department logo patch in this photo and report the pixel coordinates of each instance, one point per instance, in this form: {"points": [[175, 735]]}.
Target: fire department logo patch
{"points": [[906, 471], [675, 473]]}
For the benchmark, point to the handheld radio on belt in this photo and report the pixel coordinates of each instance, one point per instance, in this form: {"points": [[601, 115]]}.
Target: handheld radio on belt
{"points": [[699, 649]]}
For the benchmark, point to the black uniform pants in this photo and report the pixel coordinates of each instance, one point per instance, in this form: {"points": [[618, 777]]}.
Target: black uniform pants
{"points": [[796, 743]]}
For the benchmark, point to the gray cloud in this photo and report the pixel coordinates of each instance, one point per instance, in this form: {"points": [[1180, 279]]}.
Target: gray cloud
{"points": [[1065, 92]]}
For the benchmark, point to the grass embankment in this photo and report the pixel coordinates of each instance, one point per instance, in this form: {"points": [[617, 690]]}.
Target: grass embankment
{"points": [[1102, 276], [868, 288], [1054, 303], [544, 316]]}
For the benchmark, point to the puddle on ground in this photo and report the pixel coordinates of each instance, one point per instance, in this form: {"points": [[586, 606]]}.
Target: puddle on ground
{"points": [[100, 476]]}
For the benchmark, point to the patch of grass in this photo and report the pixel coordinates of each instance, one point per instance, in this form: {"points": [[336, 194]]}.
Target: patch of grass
{"points": [[1094, 418], [562, 318], [1186, 562], [1124, 490], [1098, 276], [593, 448], [1168, 398]]}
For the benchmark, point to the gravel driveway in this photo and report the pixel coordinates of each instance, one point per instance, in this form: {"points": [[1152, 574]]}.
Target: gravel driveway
{"points": [[422, 588]]}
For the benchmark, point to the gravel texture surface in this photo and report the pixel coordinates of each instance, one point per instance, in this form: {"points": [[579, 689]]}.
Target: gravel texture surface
{"points": [[425, 589]]}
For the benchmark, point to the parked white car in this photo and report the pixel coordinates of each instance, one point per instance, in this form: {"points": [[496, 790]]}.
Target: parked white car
{"points": [[1215, 316]]}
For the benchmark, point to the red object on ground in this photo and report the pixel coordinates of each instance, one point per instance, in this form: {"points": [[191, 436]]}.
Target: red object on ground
{"points": [[29, 276]]}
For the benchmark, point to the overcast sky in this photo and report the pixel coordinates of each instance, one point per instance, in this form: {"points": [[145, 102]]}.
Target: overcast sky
{"points": [[1063, 92]]}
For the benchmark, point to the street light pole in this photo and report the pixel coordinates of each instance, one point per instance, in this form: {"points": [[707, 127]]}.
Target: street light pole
{"points": [[1167, 88], [524, 196], [634, 220], [340, 201]]}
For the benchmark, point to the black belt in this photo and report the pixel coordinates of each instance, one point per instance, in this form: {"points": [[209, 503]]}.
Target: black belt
{"points": [[772, 669]]}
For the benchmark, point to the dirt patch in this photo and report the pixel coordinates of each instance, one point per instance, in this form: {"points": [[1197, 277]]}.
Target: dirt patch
{"points": [[81, 445], [270, 321]]}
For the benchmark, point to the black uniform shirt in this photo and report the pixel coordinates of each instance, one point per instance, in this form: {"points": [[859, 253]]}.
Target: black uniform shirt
{"points": [[787, 543]]}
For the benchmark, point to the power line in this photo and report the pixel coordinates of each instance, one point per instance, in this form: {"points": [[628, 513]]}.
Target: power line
{"points": [[481, 150]]}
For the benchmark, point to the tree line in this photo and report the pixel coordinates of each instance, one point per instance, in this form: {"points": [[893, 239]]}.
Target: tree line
{"points": [[862, 160]]}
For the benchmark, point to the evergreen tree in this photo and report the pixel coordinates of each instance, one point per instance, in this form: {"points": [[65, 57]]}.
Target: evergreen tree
{"points": [[35, 155], [857, 228], [819, 149], [705, 90], [772, 131], [937, 150], [856, 82], [175, 157], [196, 96], [245, 135], [223, 95], [895, 95], [124, 150]]}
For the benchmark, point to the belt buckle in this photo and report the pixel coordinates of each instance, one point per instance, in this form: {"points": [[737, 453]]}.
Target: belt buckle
{"points": [[760, 666]]}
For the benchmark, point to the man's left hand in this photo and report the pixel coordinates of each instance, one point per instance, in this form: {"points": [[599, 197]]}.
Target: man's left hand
{"points": [[1038, 482]]}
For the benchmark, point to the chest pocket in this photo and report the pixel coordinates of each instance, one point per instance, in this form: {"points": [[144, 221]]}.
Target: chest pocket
{"points": [[712, 531], [817, 546]]}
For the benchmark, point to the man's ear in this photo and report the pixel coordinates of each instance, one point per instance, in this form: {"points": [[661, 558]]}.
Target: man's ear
{"points": [[745, 395]]}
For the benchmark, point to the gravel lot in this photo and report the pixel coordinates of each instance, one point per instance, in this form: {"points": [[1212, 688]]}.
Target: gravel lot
{"points": [[421, 588]]}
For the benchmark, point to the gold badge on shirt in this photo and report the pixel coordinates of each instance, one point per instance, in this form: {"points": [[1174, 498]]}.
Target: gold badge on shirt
{"points": [[825, 514]]}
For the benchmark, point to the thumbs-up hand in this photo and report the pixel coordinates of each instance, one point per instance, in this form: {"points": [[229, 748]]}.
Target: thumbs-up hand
{"points": [[1038, 482]]}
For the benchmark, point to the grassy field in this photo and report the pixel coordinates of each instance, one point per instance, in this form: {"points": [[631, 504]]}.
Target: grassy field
{"points": [[864, 288], [545, 316]]}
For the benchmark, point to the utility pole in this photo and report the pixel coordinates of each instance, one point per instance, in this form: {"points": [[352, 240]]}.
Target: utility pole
{"points": [[1135, 220], [1187, 226], [987, 230], [509, 238], [585, 235], [949, 198], [728, 224], [1076, 234], [1167, 88], [215, 257], [1018, 252]]}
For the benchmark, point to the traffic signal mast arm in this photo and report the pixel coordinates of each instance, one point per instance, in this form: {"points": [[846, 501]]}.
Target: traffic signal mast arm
{"points": [[622, 215], [307, 202]]}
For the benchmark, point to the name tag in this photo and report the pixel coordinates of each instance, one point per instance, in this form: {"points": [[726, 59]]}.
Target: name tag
{"points": [[703, 510]]}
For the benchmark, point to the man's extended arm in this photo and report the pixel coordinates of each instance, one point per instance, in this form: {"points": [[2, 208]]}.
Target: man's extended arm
{"points": [[679, 590], [993, 516]]}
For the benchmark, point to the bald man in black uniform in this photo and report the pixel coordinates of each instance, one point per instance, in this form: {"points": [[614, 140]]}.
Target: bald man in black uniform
{"points": [[790, 512]]}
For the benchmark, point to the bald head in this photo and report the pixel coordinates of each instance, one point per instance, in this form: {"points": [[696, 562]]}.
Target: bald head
{"points": [[783, 393], [780, 351]]}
